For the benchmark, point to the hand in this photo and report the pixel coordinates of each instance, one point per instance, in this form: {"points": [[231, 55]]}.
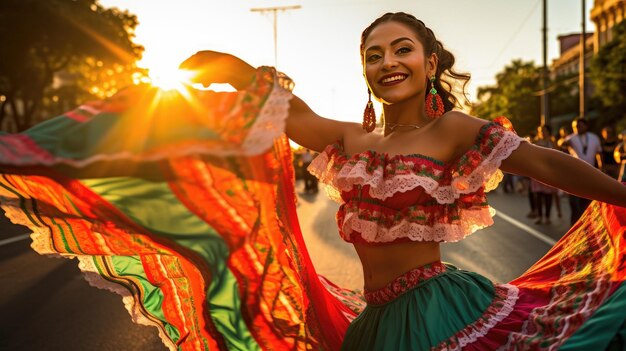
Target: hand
{"points": [[218, 67], [208, 67]]}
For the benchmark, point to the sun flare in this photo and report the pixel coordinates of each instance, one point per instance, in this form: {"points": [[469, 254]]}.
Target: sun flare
{"points": [[170, 78]]}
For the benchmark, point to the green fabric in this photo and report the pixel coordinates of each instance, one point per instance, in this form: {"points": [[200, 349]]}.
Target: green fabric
{"points": [[131, 267], [606, 329], [406, 323], [107, 133], [145, 202]]}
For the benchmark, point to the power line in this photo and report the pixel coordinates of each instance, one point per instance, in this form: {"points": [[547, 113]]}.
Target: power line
{"points": [[274, 11], [519, 29], [551, 88]]}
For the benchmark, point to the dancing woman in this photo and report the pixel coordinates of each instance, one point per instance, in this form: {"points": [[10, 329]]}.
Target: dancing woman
{"points": [[207, 222]]}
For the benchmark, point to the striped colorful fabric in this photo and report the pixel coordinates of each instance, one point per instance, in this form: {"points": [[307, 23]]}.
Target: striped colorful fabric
{"points": [[183, 203]]}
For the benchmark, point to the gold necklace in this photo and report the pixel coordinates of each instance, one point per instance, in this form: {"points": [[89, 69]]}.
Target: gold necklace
{"points": [[393, 126]]}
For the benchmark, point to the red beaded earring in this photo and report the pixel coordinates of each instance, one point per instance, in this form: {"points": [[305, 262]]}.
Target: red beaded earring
{"points": [[369, 115], [434, 104]]}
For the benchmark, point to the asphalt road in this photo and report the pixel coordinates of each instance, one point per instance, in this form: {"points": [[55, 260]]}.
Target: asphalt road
{"points": [[46, 305]]}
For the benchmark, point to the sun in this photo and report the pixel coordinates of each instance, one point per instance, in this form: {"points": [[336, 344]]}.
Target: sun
{"points": [[169, 78]]}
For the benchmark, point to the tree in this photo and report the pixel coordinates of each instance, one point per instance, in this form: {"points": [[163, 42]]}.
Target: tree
{"points": [[514, 96], [608, 74], [52, 51], [564, 96]]}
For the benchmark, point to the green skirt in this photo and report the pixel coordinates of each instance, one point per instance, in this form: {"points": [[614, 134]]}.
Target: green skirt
{"points": [[419, 313], [441, 307]]}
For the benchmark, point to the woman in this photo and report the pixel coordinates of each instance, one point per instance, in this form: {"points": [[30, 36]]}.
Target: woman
{"points": [[543, 194], [608, 143], [418, 182]]}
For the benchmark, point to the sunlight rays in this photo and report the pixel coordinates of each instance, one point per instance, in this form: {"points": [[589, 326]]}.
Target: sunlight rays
{"points": [[170, 78]]}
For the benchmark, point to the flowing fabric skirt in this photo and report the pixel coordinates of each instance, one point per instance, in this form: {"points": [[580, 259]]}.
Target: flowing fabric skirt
{"points": [[185, 206]]}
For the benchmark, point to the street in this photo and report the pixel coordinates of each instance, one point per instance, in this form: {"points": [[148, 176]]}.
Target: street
{"points": [[46, 305]]}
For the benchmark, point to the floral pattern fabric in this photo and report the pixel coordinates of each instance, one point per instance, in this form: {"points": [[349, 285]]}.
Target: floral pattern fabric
{"points": [[415, 197]]}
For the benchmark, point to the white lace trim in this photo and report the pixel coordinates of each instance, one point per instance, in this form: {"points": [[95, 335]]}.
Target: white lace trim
{"points": [[486, 174], [322, 168], [373, 232], [90, 273], [40, 236], [41, 244], [475, 334], [270, 124], [381, 188], [356, 174]]}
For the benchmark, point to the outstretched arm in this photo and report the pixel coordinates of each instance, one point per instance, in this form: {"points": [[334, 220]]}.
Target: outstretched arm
{"points": [[563, 171], [304, 126]]}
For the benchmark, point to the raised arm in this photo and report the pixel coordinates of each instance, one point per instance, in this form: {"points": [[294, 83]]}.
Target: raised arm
{"points": [[304, 126], [563, 171]]}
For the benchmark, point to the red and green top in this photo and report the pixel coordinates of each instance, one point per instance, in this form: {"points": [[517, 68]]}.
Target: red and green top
{"points": [[415, 197]]}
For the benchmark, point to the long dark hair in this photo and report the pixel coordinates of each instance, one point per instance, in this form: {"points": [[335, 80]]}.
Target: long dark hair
{"points": [[445, 75]]}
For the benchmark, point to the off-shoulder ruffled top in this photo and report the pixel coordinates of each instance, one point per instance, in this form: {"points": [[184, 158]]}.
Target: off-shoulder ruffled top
{"points": [[414, 197]]}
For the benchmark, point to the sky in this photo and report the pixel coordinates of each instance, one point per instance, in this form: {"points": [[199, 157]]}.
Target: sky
{"points": [[318, 44]]}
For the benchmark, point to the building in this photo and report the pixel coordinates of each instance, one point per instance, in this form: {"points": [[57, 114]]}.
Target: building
{"points": [[605, 14], [568, 62]]}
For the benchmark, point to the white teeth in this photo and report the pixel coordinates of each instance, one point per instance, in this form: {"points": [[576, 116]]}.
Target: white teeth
{"points": [[393, 79]]}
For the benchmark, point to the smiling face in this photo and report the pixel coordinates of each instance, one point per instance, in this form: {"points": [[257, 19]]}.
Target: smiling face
{"points": [[394, 63]]}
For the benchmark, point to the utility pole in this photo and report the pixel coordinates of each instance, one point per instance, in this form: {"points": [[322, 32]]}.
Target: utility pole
{"points": [[544, 71], [581, 72], [274, 11]]}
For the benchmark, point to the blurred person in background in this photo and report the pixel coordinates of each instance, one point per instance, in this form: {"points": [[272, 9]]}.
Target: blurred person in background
{"points": [[609, 142], [586, 146], [525, 181], [543, 194], [619, 155], [310, 182], [564, 132]]}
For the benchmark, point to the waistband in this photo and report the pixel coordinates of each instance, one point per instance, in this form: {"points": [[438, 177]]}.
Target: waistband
{"points": [[404, 283]]}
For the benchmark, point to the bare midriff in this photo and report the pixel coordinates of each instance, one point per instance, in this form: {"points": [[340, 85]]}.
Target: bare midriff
{"points": [[383, 263]]}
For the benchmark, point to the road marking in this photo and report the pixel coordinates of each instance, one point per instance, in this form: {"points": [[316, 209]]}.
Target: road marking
{"points": [[537, 234], [14, 239]]}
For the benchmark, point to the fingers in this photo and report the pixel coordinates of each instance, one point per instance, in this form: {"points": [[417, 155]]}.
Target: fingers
{"points": [[192, 62], [205, 67], [201, 58], [209, 67]]}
